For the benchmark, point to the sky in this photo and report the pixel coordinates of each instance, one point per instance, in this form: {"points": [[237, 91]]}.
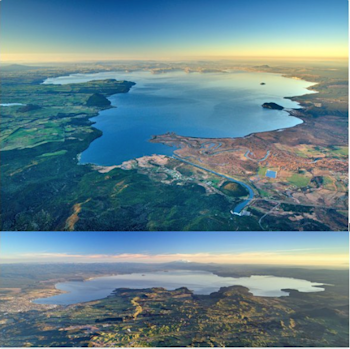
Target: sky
{"points": [[76, 30], [328, 249]]}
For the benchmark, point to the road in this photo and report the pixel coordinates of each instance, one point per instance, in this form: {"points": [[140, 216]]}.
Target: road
{"points": [[267, 213], [240, 206], [249, 152]]}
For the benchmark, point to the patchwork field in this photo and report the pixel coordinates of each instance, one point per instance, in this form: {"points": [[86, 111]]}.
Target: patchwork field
{"points": [[157, 317], [298, 176]]}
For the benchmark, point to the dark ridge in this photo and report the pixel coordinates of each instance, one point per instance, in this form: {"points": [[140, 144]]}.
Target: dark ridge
{"points": [[98, 100], [272, 105], [28, 107]]}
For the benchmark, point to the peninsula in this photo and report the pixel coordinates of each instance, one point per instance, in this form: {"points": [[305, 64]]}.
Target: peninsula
{"points": [[297, 177]]}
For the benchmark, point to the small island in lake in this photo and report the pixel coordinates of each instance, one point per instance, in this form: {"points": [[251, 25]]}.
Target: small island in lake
{"points": [[272, 106]]}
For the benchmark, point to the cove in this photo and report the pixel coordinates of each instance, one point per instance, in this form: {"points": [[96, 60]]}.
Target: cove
{"points": [[200, 282], [209, 105]]}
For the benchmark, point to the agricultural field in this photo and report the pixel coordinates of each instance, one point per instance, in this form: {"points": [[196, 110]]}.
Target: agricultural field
{"points": [[305, 166], [155, 317], [43, 186]]}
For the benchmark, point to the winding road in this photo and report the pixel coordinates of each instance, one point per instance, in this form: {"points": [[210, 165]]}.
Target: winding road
{"points": [[237, 210], [249, 152], [267, 213]]}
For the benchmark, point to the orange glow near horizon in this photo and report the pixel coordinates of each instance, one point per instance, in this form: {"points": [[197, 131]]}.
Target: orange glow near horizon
{"points": [[73, 58], [319, 53], [297, 258]]}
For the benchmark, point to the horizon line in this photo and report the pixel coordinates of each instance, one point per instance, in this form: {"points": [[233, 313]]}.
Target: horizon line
{"points": [[327, 267], [183, 59]]}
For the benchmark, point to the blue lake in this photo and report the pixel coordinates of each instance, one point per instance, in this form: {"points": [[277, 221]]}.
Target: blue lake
{"points": [[200, 282], [212, 105]]}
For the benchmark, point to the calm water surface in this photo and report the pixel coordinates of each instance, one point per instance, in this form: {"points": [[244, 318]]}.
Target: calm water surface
{"points": [[200, 282], [210, 105]]}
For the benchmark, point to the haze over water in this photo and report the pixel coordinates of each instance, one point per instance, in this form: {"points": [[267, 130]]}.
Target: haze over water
{"points": [[200, 282], [209, 105]]}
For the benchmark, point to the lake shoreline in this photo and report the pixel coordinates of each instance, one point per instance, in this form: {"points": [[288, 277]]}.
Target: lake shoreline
{"points": [[253, 283], [100, 163]]}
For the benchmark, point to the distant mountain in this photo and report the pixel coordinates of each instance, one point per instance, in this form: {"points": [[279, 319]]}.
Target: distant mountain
{"points": [[180, 261], [264, 66], [11, 67]]}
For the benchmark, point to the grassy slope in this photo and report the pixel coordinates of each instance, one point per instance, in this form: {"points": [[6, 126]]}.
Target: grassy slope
{"points": [[43, 185], [156, 317]]}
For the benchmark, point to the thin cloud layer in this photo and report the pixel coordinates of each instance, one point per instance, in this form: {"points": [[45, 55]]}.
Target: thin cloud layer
{"points": [[287, 257]]}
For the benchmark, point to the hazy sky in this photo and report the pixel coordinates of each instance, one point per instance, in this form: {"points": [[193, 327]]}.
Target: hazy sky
{"points": [[282, 248], [60, 30]]}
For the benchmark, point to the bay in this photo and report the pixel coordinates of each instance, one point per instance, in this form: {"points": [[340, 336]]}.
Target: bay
{"points": [[209, 105], [200, 282]]}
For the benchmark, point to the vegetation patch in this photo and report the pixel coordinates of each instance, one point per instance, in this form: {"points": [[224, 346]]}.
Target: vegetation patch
{"points": [[56, 153], [299, 180], [233, 189], [98, 100]]}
